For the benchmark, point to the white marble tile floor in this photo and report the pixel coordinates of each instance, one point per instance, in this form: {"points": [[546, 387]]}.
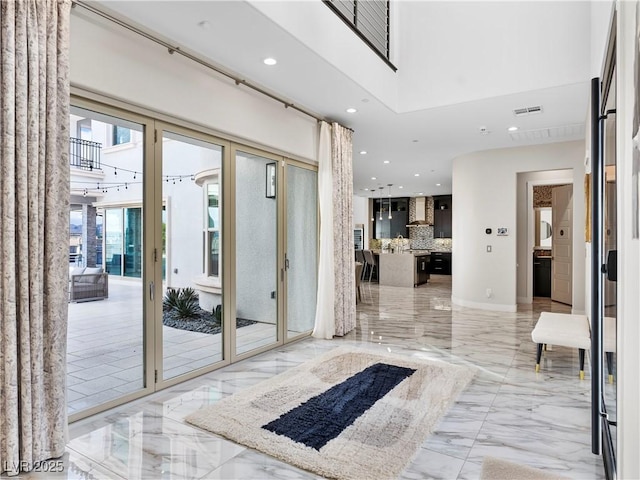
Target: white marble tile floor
{"points": [[508, 411]]}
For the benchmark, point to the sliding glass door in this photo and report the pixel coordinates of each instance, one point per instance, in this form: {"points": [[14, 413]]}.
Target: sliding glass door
{"points": [[301, 257], [257, 285], [106, 320], [192, 313], [186, 253]]}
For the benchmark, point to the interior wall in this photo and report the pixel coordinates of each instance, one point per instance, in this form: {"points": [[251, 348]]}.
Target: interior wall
{"points": [[523, 230], [117, 63], [485, 189], [629, 251], [361, 216]]}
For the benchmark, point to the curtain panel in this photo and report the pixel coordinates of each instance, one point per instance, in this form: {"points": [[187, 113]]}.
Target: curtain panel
{"points": [[34, 230], [344, 261], [325, 314]]}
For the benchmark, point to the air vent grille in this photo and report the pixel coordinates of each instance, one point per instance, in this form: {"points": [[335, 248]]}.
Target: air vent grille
{"points": [[574, 131], [519, 112]]}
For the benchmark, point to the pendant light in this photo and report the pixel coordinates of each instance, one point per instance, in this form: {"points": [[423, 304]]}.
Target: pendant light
{"points": [[390, 185], [380, 202]]}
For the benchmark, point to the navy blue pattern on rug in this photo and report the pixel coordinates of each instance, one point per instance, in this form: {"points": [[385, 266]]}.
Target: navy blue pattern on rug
{"points": [[323, 417]]}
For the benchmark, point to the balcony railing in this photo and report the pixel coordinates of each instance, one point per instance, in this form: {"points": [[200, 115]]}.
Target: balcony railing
{"points": [[84, 154]]}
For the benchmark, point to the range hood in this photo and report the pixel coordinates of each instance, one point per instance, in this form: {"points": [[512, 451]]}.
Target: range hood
{"points": [[421, 214]]}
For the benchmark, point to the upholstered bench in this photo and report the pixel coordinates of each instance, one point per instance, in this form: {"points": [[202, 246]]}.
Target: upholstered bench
{"points": [[562, 329]]}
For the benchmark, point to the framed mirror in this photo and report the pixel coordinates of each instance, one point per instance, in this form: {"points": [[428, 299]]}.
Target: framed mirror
{"points": [[543, 227]]}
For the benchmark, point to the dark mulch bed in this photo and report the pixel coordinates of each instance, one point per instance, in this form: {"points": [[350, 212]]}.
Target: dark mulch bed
{"points": [[203, 322]]}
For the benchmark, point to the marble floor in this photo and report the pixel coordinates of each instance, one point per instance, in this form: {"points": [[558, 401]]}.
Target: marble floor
{"points": [[508, 411]]}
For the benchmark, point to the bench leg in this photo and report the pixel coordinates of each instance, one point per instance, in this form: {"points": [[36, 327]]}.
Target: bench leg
{"points": [[581, 351], [610, 365], [538, 355]]}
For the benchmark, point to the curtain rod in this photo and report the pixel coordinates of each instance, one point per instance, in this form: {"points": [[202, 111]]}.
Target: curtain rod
{"points": [[175, 49]]}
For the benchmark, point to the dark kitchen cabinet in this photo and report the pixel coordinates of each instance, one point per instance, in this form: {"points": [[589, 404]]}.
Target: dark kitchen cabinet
{"points": [[442, 206], [541, 277], [385, 227], [421, 271], [441, 263]]}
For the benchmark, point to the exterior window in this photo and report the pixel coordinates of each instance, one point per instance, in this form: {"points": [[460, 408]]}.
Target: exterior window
{"points": [[121, 135], [212, 230]]}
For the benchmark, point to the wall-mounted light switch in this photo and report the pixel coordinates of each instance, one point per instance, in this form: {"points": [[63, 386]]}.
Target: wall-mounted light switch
{"points": [[488, 248]]}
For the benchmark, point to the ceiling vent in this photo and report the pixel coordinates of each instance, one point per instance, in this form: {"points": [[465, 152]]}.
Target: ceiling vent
{"points": [[519, 112], [573, 131]]}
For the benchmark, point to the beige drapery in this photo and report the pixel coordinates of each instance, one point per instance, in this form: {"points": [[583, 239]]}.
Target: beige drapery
{"points": [[344, 261], [336, 304], [34, 230]]}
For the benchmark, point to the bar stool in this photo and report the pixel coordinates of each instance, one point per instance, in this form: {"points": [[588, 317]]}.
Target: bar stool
{"points": [[370, 259]]}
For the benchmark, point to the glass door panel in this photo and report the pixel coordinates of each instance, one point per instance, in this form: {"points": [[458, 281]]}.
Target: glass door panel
{"points": [[302, 249], [610, 246], [105, 353], [192, 322], [256, 248]]}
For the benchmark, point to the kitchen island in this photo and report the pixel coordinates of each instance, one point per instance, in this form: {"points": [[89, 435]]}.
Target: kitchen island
{"points": [[407, 269]]}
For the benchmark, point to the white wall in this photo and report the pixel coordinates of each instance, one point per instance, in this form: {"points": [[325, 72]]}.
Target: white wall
{"points": [[361, 216], [524, 224], [485, 196], [629, 253], [120, 64]]}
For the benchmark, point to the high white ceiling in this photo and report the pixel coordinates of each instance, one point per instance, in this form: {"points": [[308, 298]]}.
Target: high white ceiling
{"points": [[462, 66]]}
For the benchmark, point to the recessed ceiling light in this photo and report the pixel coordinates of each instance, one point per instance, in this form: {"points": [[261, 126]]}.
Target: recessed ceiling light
{"points": [[204, 24], [363, 152], [438, 184], [373, 178], [389, 195], [512, 129], [351, 110], [400, 186], [416, 175], [366, 189], [270, 61], [421, 193], [386, 161]]}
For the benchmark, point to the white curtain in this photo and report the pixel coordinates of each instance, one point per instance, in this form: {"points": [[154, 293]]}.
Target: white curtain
{"points": [[344, 261], [325, 314], [336, 304], [34, 230]]}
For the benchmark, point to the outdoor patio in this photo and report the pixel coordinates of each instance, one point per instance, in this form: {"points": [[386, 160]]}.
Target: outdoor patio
{"points": [[105, 346]]}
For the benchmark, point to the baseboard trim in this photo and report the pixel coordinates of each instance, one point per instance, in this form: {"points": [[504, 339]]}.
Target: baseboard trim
{"points": [[524, 300], [497, 307]]}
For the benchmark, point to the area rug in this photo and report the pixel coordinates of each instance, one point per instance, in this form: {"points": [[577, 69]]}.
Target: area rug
{"points": [[348, 414], [497, 469]]}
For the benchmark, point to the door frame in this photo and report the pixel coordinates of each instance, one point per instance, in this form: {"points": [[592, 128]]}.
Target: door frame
{"points": [[560, 180]]}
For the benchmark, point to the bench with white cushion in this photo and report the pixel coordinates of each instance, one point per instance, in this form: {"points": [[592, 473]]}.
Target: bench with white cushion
{"points": [[570, 330], [562, 329]]}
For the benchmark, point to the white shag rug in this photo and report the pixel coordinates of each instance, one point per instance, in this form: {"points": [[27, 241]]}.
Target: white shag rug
{"points": [[377, 445], [497, 469]]}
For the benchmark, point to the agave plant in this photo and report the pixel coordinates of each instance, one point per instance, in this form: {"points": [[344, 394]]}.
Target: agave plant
{"points": [[182, 301]]}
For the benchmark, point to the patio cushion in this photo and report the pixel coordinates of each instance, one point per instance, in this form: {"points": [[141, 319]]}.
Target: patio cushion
{"points": [[91, 275]]}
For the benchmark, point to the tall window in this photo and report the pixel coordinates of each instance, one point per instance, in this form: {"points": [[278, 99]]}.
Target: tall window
{"points": [[212, 230], [369, 19], [121, 135]]}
